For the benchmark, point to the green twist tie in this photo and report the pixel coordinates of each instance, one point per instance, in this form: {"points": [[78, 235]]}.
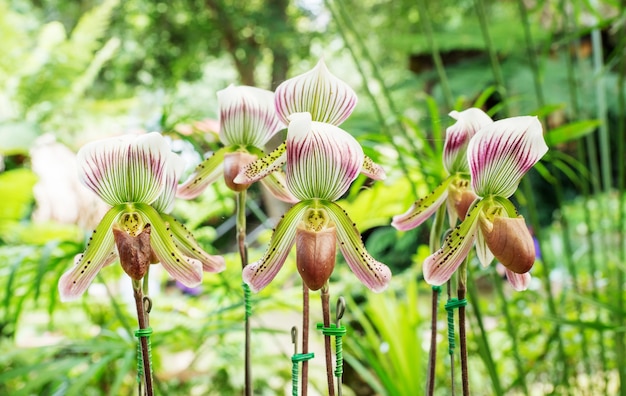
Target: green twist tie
{"points": [[437, 289], [247, 304], [143, 333], [338, 332], [295, 359], [450, 306]]}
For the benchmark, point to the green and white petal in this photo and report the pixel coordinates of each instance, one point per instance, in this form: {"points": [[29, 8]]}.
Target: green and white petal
{"points": [[126, 168], [276, 184], [185, 269], [322, 159], [100, 251], [519, 282], [423, 208], [372, 169], [175, 167], [263, 166], [458, 136], [502, 152], [205, 173], [247, 116], [259, 274], [482, 250], [439, 266], [188, 245], [373, 274], [318, 92]]}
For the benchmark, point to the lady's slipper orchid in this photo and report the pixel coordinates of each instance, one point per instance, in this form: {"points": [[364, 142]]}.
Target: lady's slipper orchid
{"points": [[499, 155], [137, 176], [455, 189], [248, 121], [327, 99], [322, 162]]}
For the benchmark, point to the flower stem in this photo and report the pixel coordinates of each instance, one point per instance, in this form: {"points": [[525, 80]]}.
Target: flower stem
{"points": [[305, 338], [143, 324], [325, 292], [461, 289], [243, 254]]}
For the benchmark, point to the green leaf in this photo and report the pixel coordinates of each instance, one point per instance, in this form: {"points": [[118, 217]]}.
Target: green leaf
{"points": [[571, 131]]}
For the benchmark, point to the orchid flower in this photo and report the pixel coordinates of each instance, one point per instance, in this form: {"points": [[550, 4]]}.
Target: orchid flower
{"points": [[499, 155], [248, 121], [137, 177], [322, 162], [454, 190], [327, 99]]}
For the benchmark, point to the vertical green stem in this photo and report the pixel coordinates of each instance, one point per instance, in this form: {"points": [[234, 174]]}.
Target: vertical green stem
{"points": [[325, 294], [243, 254]]}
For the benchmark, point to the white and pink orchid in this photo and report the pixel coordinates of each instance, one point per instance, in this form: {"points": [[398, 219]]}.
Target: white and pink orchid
{"points": [[248, 121], [498, 156], [322, 160], [137, 176]]}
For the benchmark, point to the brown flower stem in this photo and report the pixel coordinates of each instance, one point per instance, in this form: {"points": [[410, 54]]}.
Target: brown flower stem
{"points": [[461, 290], [325, 291], [305, 338], [243, 254], [143, 324], [432, 353]]}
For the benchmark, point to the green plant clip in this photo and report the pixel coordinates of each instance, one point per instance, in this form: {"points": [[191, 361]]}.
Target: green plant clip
{"points": [[296, 358], [451, 305], [246, 300], [143, 333], [338, 333]]}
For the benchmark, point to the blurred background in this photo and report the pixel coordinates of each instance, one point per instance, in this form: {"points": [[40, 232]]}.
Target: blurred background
{"points": [[74, 71]]}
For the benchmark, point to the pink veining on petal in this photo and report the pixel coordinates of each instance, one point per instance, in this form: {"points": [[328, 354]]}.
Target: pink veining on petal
{"points": [[458, 136], [519, 282]]}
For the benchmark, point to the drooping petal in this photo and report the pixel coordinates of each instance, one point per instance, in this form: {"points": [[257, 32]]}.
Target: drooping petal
{"points": [[519, 282], [188, 245], [175, 168], [259, 274], [100, 251], [423, 208], [187, 270], [318, 92], [277, 185], [502, 152], [322, 159], [205, 173], [458, 136], [439, 266], [247, 116], [373, 274], [126, 168], [263, 166], [372, 169]]}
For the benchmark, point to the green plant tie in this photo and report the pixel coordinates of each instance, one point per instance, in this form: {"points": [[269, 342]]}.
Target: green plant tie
{"points": [[295, 360], [246, 300], [338, 333], [452, 304], [143, 333]]}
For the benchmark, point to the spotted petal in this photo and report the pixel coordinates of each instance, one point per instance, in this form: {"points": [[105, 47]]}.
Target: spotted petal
{"points": [[188, 245], [375, 275], [277, 185], [165, 201], [318, 92], [259, 274], [423, 208], [205, 173], [185, 269], [322, 159], [519, 282], [100, 251], [439, 266], [263, 166], [458, 136], [247, 116], [126, 168], [372, 169], [502, 152]]}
